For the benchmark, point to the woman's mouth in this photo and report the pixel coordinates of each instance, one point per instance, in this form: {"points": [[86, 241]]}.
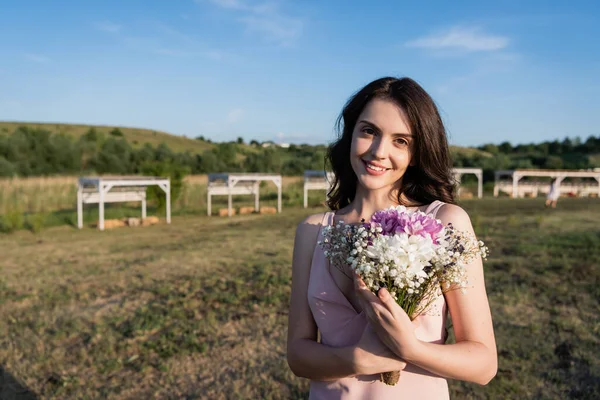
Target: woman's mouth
{"points": [[373, 169]]}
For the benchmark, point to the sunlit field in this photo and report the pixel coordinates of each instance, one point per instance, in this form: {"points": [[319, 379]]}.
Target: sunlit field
{"points": [[198, 309]]}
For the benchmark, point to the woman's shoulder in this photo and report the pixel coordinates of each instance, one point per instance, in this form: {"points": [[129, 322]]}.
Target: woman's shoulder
{"points": [[308, 229], [452, 213], [314, 219]]}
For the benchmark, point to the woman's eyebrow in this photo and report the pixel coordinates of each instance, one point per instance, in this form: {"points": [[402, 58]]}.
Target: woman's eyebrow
{"points": [[364, 121]]}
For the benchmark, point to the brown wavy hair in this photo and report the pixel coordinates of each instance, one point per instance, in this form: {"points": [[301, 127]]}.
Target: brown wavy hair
{"points": [[429, 178]]}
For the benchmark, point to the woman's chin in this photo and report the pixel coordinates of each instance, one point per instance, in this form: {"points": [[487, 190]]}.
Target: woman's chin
{"points": [[372, 184]]}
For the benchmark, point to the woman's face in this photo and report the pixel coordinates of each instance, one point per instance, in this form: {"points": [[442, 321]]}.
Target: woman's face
{"points": [[382, 145]]}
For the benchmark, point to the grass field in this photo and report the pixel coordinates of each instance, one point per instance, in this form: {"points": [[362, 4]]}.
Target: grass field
{"points": [[198, 308]]}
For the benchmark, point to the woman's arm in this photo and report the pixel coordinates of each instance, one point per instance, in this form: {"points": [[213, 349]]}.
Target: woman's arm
{"points": [[473, 357], [306, 357]]}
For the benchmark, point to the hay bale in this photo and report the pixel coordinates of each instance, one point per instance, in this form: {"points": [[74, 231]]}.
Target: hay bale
{"points": [[246, 210], [132, 221], [112, 223], [268, 210], [223, 212], [150, 221]]}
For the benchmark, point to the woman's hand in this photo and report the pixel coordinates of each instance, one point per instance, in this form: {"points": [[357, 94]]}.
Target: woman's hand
{"points": [[389, 321], [374, 357]]}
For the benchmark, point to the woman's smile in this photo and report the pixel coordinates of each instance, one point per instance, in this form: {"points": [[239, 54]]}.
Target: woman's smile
{"points": [[374, 168]]}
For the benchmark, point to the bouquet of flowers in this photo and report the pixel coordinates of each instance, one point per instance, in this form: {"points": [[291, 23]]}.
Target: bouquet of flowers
{"points": [[410, 253]]}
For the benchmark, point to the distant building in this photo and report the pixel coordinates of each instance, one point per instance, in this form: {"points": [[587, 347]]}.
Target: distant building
{"points": [[269, 143]]}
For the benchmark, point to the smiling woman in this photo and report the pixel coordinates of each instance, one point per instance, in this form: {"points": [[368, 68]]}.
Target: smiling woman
{"points": [[395, 118], [392, 150]]}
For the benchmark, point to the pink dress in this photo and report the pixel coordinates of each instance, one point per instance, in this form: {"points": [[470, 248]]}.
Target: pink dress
{"points": [[340, 326]]}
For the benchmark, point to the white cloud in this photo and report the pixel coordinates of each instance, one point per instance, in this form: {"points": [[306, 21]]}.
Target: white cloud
{"points": [[462, 39], [164, 40], [231, 4], [108, 26], [274, 28], [235, 115], [249, 6], [264, 19], [36, 58]]}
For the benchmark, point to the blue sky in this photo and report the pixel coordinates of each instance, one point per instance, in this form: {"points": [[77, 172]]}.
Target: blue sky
{"points": [[518, 71]]}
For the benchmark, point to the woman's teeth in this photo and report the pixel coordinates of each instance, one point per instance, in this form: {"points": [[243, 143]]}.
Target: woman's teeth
{"points": [[374, 168]]}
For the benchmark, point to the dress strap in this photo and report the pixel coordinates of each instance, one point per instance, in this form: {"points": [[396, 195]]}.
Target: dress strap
{"points": [[434, 207], [326, 220]]}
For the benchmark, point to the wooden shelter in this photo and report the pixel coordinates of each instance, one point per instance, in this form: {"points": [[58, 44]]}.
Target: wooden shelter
{"points": [[316, 180], [515, 188], [459, 172], [239, 184], [104, 189]]}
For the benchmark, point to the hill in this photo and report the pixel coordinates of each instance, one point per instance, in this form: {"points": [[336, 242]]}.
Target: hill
{"points": [[137, 137], [469, 152]]}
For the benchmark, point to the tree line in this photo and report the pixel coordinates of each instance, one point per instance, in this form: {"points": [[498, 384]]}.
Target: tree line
{"points": [[29, 151], [566, 154]]}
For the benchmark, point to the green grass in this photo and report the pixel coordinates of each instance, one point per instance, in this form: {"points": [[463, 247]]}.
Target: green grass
{"points": [[137, 137], [198, 308]]}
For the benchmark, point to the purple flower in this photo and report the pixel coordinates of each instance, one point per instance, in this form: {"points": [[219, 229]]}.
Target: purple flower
{"points": [[387, 220], [393, 221]]}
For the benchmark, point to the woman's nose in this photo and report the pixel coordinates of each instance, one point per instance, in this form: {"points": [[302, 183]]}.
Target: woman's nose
{"points": [[379, 148]]}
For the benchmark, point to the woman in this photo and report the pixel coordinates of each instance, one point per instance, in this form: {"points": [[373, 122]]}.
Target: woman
{"points": [[392, 149], [553, 194]]}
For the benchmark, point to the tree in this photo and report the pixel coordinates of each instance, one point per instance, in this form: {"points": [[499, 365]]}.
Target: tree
{"points": [[116, 132], [490, 148], [114, 157], [505, 147], [553, 162], [7, 169]]}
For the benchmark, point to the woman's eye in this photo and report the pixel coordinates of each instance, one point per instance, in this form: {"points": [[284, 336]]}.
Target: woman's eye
{"points": [[368, 131], [402, 142]]}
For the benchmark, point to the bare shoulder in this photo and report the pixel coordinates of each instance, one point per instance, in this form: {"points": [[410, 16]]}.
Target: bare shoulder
{"points": [[314, 219], [308, 228], [456, 215]]}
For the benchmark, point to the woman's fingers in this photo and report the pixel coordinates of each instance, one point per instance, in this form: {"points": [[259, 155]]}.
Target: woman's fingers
{"points": [[388, 302], [374, 308]]}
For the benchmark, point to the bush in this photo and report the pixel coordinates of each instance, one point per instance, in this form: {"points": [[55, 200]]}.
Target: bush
{"points": [[35, 222], [11, 221], [116, 132], [176, 173]]}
